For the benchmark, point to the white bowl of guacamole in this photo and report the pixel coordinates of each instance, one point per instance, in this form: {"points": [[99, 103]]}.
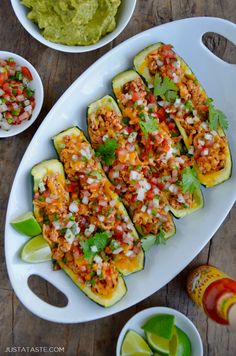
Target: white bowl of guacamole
{"points": [[74, 25]]}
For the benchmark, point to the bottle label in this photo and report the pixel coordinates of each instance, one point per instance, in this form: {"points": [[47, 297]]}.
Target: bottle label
{"points": [[200, 279], [224, 303]]}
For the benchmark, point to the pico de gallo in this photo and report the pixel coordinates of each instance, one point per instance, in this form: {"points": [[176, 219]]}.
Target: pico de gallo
{"points": [[98, 207], [182, 97], [158, 148], [135, 182], [17, 99]]}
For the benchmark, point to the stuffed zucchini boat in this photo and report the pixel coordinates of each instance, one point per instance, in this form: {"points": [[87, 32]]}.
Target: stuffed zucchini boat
{"points": [[199, 122], [96, 277], [115, 143], [157, 146], [93, 195]]}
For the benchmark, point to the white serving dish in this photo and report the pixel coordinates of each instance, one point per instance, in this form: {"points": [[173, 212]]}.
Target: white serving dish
{"points": [[36, 85], [124, 14], [139, 319], [193, 232]]}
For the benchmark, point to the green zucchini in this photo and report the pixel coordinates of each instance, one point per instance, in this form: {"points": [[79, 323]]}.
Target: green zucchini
{"points": [[109, 103], [118, 82], [55, 168], [141, 65], [103, 301], [124, 264]]}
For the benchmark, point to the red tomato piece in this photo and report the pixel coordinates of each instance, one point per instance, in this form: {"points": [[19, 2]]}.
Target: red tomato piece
{"points": [[26, 73]]}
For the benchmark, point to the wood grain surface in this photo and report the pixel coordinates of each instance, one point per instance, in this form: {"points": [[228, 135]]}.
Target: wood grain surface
{"points": [[18, 327]]}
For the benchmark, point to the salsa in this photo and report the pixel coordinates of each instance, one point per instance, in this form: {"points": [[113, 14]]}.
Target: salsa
{"points": [[17, 99]]}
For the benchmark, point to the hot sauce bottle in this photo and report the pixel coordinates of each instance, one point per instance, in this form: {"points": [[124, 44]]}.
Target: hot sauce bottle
{"points": [[214, 292]]}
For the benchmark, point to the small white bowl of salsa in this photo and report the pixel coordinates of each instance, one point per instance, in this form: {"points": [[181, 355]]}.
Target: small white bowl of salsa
{"points": [[123, 16], [21, 94]]}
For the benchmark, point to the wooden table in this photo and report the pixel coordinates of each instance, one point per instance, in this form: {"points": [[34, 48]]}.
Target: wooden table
{"points": [[18, 327]]}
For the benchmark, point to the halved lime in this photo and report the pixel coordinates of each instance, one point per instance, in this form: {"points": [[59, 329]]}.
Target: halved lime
{"points": [[161, 325], [158, 343], [134, 345], [26, 224], [36, 250], [184, 347]]}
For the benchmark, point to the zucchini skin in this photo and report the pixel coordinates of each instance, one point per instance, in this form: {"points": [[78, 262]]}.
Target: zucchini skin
{"points": [[108, 102], [55, 167], [117, 84], [139, 260], [210, 179]]}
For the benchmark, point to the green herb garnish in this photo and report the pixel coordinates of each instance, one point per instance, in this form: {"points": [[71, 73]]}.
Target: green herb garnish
{"points": [[190, 182], [165, 88], [216, 118], [99, 240], [107, 151], [149, 125]]}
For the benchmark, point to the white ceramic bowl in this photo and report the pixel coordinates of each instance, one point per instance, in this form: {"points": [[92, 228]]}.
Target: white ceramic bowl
{"points": [[36, 85], [124, 14], [136, 322]]}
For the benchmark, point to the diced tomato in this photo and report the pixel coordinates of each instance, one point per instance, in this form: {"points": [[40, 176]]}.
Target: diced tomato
{"points": [[19, 91], [72, 187], [165, 146], [150, 195], [3, 77], [161, 185], [26, 73], [24, 116], [203, 108], [171, 125], [152, 98], [161, 114], [135, 96]]}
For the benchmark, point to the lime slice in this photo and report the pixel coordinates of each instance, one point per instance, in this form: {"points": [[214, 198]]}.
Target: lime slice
{"points": [[158, 343], [134, 345], [184, 344], [174, 342], [161, 325], [36, 250], [26, 224]]}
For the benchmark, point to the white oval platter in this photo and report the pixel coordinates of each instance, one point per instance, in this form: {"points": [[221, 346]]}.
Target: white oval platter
{"points": [[193, 232]]}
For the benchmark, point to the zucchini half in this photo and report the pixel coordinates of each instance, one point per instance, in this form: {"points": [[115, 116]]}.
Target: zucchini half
{"points": [[126, 265], [141, 66], [109, 103], [54, 167], [118, 82], [46, 168], [103, 301]]}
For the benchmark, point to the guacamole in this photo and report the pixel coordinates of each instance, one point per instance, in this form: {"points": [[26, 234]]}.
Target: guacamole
{"points": [[73, 22]]}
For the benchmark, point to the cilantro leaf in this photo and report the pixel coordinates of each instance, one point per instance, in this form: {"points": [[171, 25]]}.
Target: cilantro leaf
{"points": [[190, 182], [165, 88], [161, 238], [149, 125], [99, 240], [107, 151], [150, 241], [217, 117]]}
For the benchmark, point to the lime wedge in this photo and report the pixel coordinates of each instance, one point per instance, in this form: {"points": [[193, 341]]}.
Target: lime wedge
{"points": [[158, 343], [26, 224], [36, 250], [161, 325], [174, 342], [134, 345], [184, 344]]}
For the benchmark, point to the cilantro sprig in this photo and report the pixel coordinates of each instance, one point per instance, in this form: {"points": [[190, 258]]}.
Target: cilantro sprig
{"points": [[148, 125], [217, 117], [99, 240], [150, 241], [165, 88], [107, 151], [190, 182]]}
